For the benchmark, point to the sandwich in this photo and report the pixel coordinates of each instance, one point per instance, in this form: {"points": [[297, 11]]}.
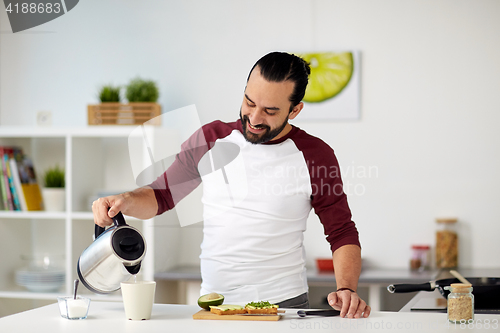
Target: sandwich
{"points": [[251, 308]]}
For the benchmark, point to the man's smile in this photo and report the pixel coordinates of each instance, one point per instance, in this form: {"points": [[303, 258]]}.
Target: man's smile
{"points": [[256, 129]]}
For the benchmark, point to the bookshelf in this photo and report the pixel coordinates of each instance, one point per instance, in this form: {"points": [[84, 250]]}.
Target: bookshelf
{"points": [[96, 160]]}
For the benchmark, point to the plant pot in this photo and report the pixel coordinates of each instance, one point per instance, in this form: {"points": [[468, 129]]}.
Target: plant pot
{"points": [[54, 199], [124, 114]]}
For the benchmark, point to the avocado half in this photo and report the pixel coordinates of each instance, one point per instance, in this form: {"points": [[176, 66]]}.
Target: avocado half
{"points": [[212, 299]]}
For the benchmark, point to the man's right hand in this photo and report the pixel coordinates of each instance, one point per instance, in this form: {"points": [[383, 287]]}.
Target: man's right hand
{"points": [[106, 208], [139, 203]]}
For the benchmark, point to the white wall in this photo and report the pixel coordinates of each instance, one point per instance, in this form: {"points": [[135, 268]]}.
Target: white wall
{"points": [[430, 108]]}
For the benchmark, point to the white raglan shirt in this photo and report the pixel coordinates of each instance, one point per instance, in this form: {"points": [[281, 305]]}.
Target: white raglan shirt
{"points": [[256, 201]]}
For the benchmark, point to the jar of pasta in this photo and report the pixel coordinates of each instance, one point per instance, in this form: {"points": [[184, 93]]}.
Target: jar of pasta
{"points": [[446, 243], [460, 303]]}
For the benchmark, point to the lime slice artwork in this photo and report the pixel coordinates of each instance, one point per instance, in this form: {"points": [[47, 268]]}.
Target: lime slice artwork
{"points": [[330, 74]]}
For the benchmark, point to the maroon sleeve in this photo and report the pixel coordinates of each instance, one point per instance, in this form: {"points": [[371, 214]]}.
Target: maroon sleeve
{"points": [[182, 176], [328, 198]]}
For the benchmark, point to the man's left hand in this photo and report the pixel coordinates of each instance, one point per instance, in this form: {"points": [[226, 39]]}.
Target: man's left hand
{"points": [[349, 304]]}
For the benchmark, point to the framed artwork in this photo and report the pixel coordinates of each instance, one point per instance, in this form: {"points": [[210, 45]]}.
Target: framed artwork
{"points": [[333, 92]]}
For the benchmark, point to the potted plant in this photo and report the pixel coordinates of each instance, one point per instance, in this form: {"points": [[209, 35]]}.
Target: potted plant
{"points": [[109, 94], [139, 90], [142, 107], [53, 192]]}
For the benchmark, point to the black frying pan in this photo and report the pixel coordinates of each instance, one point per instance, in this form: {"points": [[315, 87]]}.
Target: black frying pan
{"points": [[486, 290]]}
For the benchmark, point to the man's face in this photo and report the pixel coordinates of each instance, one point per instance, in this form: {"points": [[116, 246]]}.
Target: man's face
{"points": [[265, 109]]}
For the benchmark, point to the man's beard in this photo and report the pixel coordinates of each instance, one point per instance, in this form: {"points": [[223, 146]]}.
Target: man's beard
{"points": [[264, 137]]}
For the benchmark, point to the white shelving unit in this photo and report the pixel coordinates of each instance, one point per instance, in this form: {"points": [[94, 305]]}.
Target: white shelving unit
{"points": [[95, 159]]}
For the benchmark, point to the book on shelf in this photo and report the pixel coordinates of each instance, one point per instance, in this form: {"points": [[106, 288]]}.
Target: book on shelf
{"points": [[17, 184], [3, 190], [8, 155], [6, 194], [4, 205], [29, 184], [20, 189]]}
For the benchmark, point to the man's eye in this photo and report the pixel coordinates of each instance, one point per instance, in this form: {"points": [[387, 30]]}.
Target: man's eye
{"points": [[250, 104], [270, 113]]}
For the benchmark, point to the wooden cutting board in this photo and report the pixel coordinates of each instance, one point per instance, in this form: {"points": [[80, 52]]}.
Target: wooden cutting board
{"points": [[204, 314]]}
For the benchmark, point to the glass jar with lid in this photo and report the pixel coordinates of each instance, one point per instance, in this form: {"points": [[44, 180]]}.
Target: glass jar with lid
{"points": [[419, 257], [446, 243], [460, 303]]}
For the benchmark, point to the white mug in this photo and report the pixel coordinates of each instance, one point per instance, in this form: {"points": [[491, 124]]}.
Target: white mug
{"points": [[138, 298]]}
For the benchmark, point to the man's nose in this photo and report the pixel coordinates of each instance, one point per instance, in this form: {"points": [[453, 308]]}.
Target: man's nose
{"points": [[256, 116]]}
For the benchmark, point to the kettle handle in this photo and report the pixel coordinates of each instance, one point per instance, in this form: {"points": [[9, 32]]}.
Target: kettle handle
{"points": [[118, 220]]}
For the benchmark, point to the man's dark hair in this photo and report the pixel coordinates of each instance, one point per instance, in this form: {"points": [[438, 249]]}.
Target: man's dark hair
{"points": [[281, 66]]}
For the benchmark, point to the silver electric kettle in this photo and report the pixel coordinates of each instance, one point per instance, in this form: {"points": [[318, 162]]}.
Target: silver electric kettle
{"points": [[114, 256]]}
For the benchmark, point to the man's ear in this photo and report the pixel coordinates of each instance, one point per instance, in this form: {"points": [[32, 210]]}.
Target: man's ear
{"points": [[296, 110]]}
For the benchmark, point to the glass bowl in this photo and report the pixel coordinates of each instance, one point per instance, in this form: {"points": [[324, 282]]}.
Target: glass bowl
{"points": [[74, 309]]}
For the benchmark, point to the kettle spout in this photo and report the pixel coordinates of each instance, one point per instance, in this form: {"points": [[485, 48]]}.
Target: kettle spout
{"points": [[133, 269]]}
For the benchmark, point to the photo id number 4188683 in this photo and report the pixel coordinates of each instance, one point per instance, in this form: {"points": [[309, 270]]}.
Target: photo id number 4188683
{"points": [[485, 324], [33, 8]]}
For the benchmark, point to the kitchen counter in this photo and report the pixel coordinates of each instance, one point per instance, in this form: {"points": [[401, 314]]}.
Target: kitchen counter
{"points": [[375, 279], [110, 317]]}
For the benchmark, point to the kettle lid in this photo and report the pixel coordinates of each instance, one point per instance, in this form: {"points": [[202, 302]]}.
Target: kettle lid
{"points": [[128, 243]]}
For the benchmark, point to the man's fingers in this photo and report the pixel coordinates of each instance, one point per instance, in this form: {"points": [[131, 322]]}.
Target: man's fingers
{"points": [[353, 305], [332, 300], [345, 305], [361, 308], [367, 312]]}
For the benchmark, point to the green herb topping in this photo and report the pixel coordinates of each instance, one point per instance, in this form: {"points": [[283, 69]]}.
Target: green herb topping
{"points": [[261, 305]]}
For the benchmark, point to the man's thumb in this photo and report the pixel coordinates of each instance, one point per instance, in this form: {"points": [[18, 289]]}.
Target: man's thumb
{"points": [[112, 213]]}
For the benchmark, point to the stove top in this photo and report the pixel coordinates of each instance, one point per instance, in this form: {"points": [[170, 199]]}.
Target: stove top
{"points": [[439, 305]]}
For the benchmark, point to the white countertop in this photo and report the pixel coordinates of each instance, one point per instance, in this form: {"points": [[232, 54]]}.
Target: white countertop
{"points": [[110, 317]]}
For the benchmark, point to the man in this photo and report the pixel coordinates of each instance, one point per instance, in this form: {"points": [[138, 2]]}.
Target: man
{"points": [[261, 178]]}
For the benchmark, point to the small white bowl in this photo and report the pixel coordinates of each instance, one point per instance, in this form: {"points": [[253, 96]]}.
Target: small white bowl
{"points": [[74, 309]]}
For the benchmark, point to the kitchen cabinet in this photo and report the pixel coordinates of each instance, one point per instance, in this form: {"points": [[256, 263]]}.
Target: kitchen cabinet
{"points": [[96, 160]]}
